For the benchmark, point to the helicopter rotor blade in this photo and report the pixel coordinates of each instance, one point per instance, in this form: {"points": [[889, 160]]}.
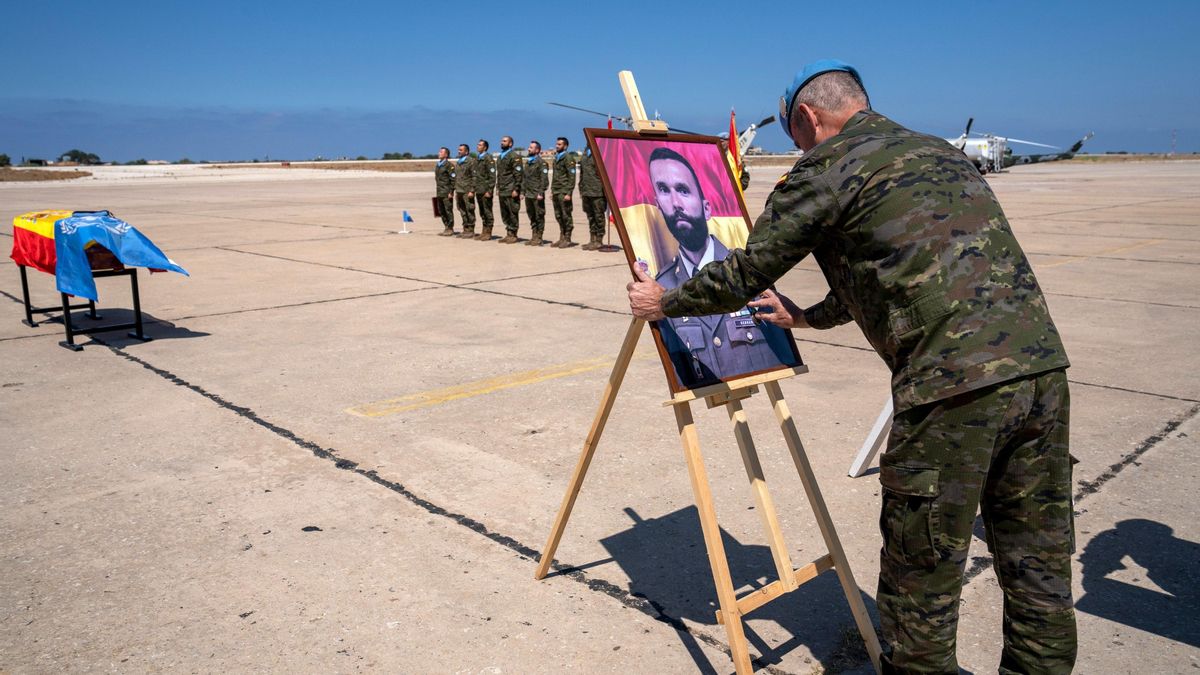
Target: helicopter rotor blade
{"points": [[1040, 145], [967, 131], [624, 120], [765, 122]]}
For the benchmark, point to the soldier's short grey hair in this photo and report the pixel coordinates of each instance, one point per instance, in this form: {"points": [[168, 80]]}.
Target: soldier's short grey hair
{"points": [[835, 90]]}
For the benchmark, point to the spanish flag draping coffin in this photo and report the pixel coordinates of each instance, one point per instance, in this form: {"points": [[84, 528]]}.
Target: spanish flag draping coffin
{"points": [[33, 239]]}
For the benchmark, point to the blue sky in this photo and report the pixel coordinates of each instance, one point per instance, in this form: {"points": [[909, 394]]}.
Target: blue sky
{"points": [[239, 80]]}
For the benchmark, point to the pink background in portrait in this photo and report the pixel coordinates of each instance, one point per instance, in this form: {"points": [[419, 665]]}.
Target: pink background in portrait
{"points": [[626, 162]]}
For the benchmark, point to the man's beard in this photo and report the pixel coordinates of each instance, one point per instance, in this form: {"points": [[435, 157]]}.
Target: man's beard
{"points": [[692, 235]]}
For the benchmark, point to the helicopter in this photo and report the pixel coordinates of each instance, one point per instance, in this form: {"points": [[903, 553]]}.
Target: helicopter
{"points": [[990, 152]]}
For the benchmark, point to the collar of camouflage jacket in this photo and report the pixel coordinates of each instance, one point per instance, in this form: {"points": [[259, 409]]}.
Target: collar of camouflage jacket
{"points": [[504, 153], [463, 159], [533, 158]]}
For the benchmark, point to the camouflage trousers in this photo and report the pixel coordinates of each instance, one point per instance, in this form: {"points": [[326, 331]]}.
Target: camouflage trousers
{"points": [[510, 212], [484, 200], [446, 206], [466, 209], [562, 214], [593, 208], [1003, 450], [536, 209]]}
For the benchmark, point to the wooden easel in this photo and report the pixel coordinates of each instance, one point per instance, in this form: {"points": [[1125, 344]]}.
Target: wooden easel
{"points": [[728, 394]]}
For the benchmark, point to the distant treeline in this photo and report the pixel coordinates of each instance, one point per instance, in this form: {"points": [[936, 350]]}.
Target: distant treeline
{"points": [[79, 157]]}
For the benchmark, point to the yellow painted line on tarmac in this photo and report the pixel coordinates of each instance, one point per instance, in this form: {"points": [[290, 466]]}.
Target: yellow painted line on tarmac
{"points": [[1119, 249], [432, 397]]}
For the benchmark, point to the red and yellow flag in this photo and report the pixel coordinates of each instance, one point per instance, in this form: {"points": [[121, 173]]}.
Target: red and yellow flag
{"points": [[733, 143], [33, 239]]}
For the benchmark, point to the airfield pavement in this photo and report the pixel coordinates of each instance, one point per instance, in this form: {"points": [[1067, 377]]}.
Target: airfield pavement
{"points": [[345, 446]]}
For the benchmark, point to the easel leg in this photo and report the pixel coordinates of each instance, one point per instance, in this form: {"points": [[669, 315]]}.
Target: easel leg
{"points": [[873, 442], [762, 497], [840, 564], [712, 540], [589, 446]]}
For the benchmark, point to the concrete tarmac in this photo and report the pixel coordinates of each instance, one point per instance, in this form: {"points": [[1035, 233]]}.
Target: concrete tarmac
{"points": [[344, 449]]}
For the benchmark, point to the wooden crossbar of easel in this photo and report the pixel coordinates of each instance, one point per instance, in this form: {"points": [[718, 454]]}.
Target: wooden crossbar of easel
{"points": [[729, 395]]}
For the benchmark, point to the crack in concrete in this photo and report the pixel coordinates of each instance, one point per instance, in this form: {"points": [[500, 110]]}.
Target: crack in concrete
{"points": [[463, 287], [638, 602]]}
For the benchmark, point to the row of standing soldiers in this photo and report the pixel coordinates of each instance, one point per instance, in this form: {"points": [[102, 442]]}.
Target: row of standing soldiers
{"points": [[472, 182]]}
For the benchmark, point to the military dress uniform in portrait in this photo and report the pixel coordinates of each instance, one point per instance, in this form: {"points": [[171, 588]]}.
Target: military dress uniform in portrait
{"points": [[533, 185], [510, 169], [485, 187], [707, 349], [464, 184], [560, 189], [594, 204], [444, 178]]}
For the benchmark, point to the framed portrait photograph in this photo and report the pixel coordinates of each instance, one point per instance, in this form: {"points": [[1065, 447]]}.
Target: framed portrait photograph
{"points": [[677, 208]]}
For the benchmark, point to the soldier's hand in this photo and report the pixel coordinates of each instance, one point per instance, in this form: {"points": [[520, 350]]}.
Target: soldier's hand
{"points": [[487, 195], [515, 195], [645, 297], [541, 197], [778, 310], [566, 198], [470, 195]]}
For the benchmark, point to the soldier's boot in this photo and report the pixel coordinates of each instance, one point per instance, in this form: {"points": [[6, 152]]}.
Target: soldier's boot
{"points": [[535, 239], [467, 234], [509, 238], [485, 234], [593, 243], [448, 232]]}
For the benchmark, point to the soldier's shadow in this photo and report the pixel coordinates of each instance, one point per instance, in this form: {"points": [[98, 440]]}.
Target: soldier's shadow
{"points": [[1169, 563], [667, 564]]}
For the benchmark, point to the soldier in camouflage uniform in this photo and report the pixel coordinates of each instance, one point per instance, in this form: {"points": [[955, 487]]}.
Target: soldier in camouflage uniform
{"points": [[918, 253], [594, 205], [464, 189], [485, 185], [509, 171], [443, 175], [534, 182], [561, 188]]}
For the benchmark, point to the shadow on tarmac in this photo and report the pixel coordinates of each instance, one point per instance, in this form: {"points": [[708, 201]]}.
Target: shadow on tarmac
{"points": [[152, 327], [667, 565], [1171, 563]]}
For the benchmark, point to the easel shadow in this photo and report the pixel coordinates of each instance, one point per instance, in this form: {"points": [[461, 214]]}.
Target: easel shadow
{"points": [[667, 565], [1170, 563]]}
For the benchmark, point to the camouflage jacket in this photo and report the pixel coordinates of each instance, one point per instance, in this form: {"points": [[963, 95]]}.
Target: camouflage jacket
{"points": [[485, 174], [564, 174], [510, 168], [443, 175], [915, 249], [589, 178], [535, 181], [464, 174]]}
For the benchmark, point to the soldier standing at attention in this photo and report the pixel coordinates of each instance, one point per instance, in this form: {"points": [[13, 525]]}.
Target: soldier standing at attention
{"points": [[918, 253], [443, 175], [533, 186], [509, 170], [464, 189], [485, 185], [560, 190], [594, 204]]}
